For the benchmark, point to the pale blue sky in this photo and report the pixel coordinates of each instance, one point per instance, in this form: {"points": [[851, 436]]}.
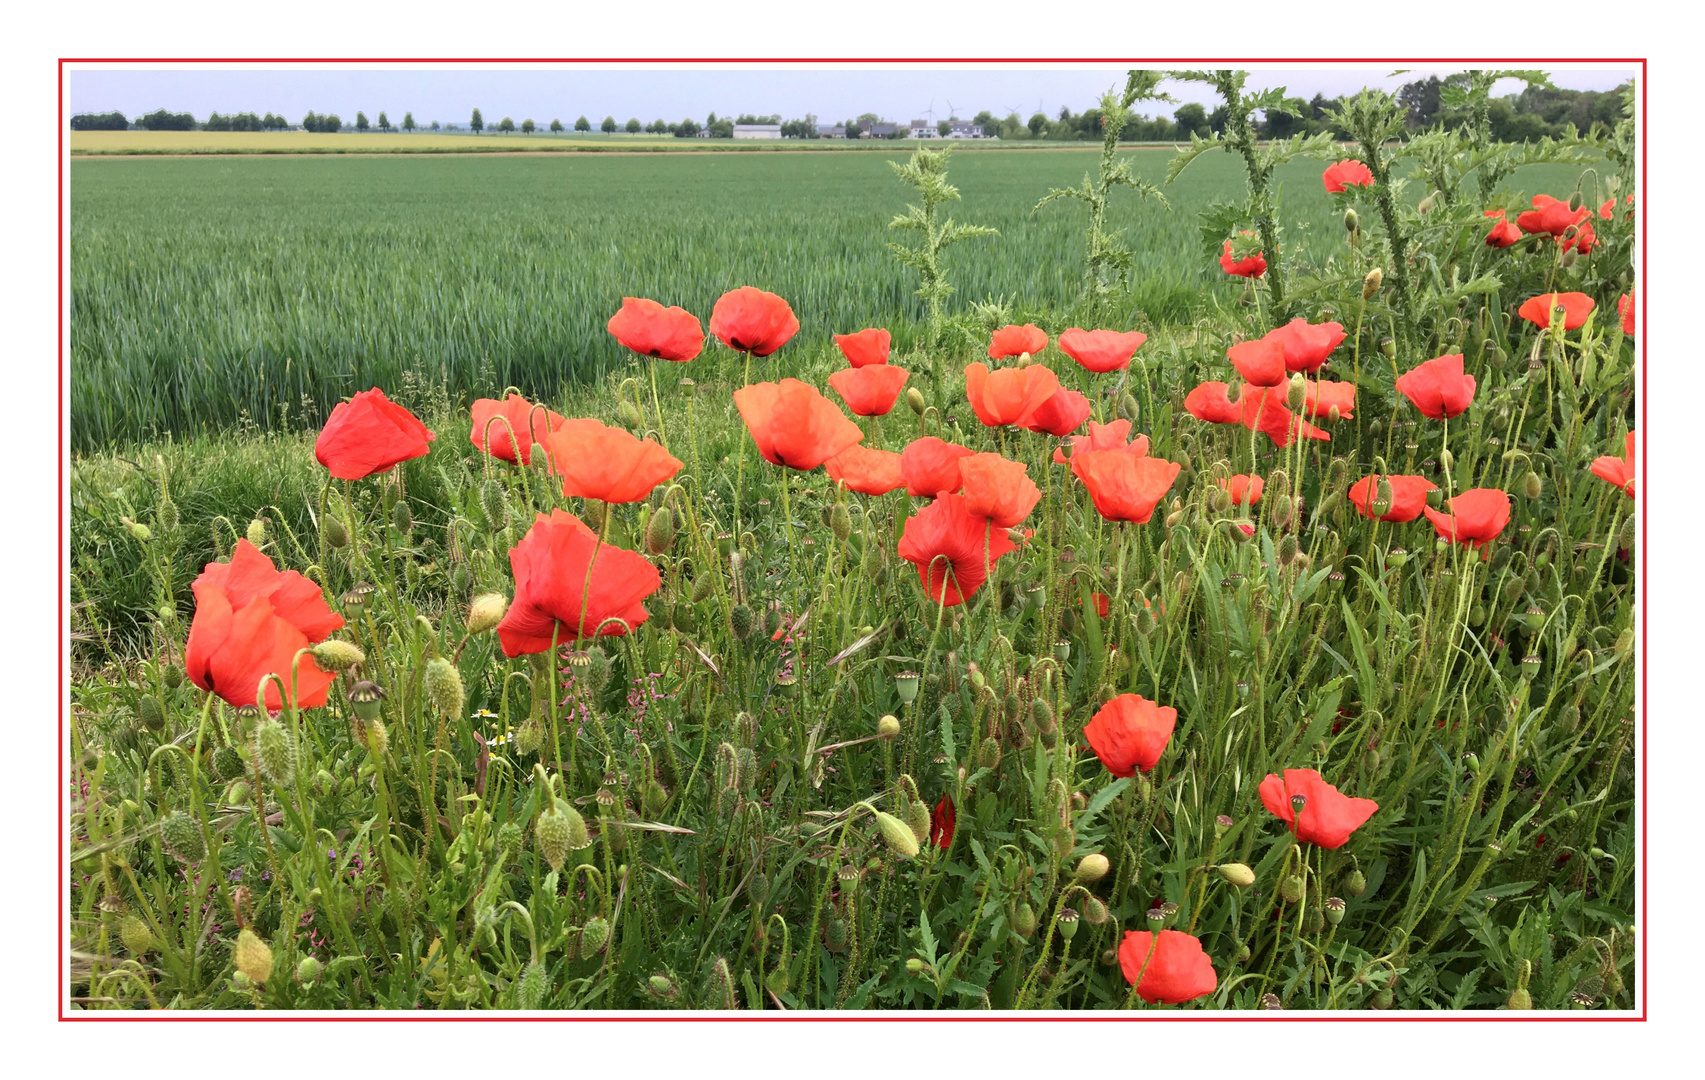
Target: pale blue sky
{"points": [[900, 94]]}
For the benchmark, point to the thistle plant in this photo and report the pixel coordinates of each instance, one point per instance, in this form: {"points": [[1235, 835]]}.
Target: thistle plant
{"points": [[926, 173]]}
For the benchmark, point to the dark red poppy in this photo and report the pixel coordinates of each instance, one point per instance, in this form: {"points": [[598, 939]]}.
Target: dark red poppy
{"points": [[1241, 487], [753, 321], [866, 347], [998, 489], [369, 434], [1549, 216], [511, 423], [1108, 436], [943, 820], [1503, 234], [1438, 388], [1576, 307], [952, 548], [1261, 361], [1101, 351], [1250, 266], [1625, 308], [1346, 174], [1324, 396], [871, 390], [1017, 340], [1619, 470], [930, 466], [1306, 345], [1327, 818], [555, 593], [1008, 395], [250, 619], [1061, 414], [1124, 487], [793, 424], [1172, 970], [650, 329], [1408, 496], [1475, 519], [865, 470], [598, 462]]}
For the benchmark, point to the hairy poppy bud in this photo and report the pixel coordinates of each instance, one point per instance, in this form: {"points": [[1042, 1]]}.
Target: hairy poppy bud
{"points": [[337, 656], [989, 753], [1297, 392], [149, 712], [402, 519], [182, 837], [256, 532], [1531, 486], [444, 686], [917, 819], [227, 763], [1236, 873], [1568, 258], [888, 727], [1128, 407], [1356, 883], [1291, 889], [307, 970], [740, 621], [1024, 919], [137, 530], [660, 531], [915, 400], [898, 835], [630, 416], [495, 504], [1371, 283], [485, 611], [275, 750], [135, 935], [252, 957], [166, 515], [552, 834], [1519, 1000], [835, 935], [1351, 221], [1092, 868], [1575, 201], [1447, 460], [840, 522], [1042, 715]]}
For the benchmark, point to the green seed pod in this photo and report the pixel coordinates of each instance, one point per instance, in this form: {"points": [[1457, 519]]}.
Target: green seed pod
{"points": [[227, 763], [333, 532], [530, 994], [149, 712], [402, 519], [897, 835], [660, 531], [1387, 346], [740, 621], [252, 957], [135, 935], [182, 837], [444, 687], [275, 750]]}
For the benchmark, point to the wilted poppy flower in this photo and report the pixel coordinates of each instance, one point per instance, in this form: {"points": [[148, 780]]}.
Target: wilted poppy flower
{"points": [[943, 820], [598, 462], [1061, 414], [1619, 471], [1476, 517], [1016, 340], [250, 619], [1252, 266], [1408, 496], [1327, 817], [1240, 487], [1009, 395], [650, 329], [871, 390], [511, 424], [952, 549], [1344, 174], [865, 347], [1576, 307], [1172, 971], [1625, 308], [1504, 233], [930, 466], [753, 321], [1123, 487], [1583, 241], [369, 434], [1438, 388], [1101, 351], [1108, 436], [793, 424], [1324, 396], [1549, 216], [1261, 361], [1306, 345], [998, 489], [866, 470], [551, 582], [1130, 733]]}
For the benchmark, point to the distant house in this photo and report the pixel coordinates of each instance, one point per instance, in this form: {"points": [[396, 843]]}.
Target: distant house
{"points": [[965, 129], [922, 129], [759, 131], [880, 131], [838, 131]]}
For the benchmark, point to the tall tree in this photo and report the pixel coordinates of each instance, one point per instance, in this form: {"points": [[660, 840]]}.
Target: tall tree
{"points": [[360, 120], [583, 124], [556, 125], [476, 124], [384, 121], [608, 126], [408, 121], [527, 126], [633, 125]]}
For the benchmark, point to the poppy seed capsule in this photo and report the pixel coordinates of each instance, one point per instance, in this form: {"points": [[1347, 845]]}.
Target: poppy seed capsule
{"points": [[1236, 873], [252, 957]]}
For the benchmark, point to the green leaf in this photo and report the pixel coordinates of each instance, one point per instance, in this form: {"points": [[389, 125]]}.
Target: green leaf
{"points": [[1103, 799]]}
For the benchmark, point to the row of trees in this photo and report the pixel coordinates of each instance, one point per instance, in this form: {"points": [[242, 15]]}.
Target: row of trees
{"points": [[161, 120]]}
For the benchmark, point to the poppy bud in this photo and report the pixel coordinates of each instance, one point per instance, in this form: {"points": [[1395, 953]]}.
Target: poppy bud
{"points": [[1219, 500], [1568, 259], [137, 530], [835, 935], [376, 739], [740, 621], [1388, 347], [1282, 510], [772, 621], [915, 966], [660, 531], [1291, 889], [630, 416], [1023, 360], [1351, 221], [135, 935], [444, 686], [661, 987], [915, 400], [182, 837], [906, 685], [275, 750], [1128, 407], [402, 519], [1371, 283], [1287, 549], [1313, 921], [1236, 873], [495, 504], [166, 515], [1092, 868], [840, 522], [1531, 486], [1297, 392], [551, 832], [1625, 537], [1356, 884], [1024, 919], [917, 819], [252, 957], [149, 712], [256, 532], [898, 835], [227, 763], [1519, 999], [989, 753], [337, 656], [1575, 201], [1426, 205]]}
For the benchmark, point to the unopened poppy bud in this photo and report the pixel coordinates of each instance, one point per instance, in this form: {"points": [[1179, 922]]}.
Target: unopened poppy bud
{"points": [[227, 763], [915, 966], [402, 518], [1332, 414], [1387, 345], [1426, 205], [1568, 258], [1236, 873], [135, 935], [630, 415], [840, 522], [1531, 486], [1023, 360], [256, 532], [1626, 536], [1447, 460], [1024, 919], [166, 515], [1287, 550], [1351, 221], [989, 753], [740, 621], [897, 835], [275, 751], [252, 957], [485, 611], [1095, 912], [661, 986], [444, 686], [333, 532], [1297, 392], [1575, 201], [915, 400], [917, 819], [137, 530], [336, 656], [1291, 889], [1219, 500], [1128, 407], [1356, 883], [149, 712], [888, 727], [1175, 519], [1519, 1000], [660, 531], [1092, 868], [1371, 283]]}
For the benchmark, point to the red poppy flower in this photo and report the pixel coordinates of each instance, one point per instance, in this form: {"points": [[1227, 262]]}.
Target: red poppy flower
{"points": [[650, 329], [1345, 174], [1549, 216], [598, 462], [1503, 234], [943, 820], [1101, 351], [1476, 517], [1211, 401], [869, 391], [793, 424], [1173, 970], [511, 424], [1327, 818], [753, 321], [1261, 361], [1625, 308], [1263, 409], [554, 593], [1306, 345], [1619, 471], [1583, 241], [952, 549], [866, 470], [1016, 340], [866, 347], [369, 434], [1061, 414], [1240, 487], [250, 619], [1576, 307], [1130, 733], [1438, 388], [1324, 396], [1123, 487], [930, 466], [1101, 602], [998, 489], [1251, 267], [1009, 395], [1408, 496], [1108, 436]]}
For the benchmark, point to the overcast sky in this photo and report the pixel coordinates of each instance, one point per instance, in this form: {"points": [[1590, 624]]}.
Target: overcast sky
{"points": [[449, 95]]}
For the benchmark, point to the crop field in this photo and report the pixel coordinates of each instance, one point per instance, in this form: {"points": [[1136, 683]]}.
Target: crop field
{"points": [[599, 582], [135, 143]]}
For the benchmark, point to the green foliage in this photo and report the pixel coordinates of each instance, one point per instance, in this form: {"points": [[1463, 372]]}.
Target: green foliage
{"points": [[926, 173]]}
